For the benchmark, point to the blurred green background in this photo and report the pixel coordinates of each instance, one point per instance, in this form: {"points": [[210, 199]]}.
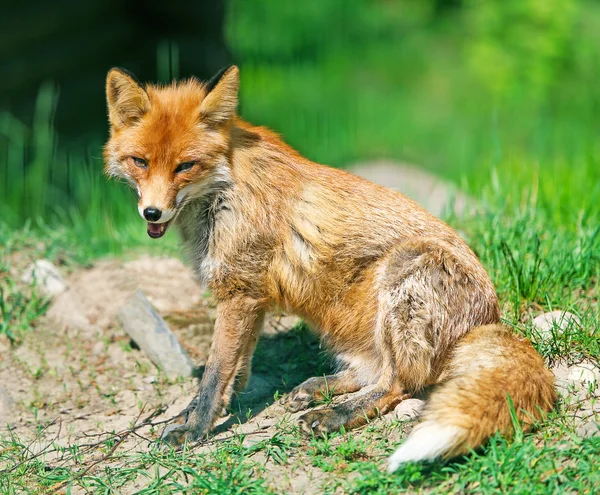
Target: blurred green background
{"points": [[489, 94]]}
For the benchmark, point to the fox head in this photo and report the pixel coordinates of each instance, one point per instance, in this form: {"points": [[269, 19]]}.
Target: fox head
{"points": [[169, 143]]}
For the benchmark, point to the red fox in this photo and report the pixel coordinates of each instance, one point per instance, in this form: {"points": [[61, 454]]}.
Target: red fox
{"points": [[397, 295]]}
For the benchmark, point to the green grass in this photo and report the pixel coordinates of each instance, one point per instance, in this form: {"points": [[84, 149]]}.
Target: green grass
{"points": [[517, 468], [552, 461], [226, 470], [18, 310]]}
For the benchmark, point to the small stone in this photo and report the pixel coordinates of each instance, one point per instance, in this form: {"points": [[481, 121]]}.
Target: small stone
{"points": [[585, 374], [150, 379], [46, 277], [587, 430], [576, 377], [7, 406], [554, 322], [409, 409], [150, 332]]}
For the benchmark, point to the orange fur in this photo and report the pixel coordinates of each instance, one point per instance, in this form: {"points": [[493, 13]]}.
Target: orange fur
{"points": [[394, 291]]}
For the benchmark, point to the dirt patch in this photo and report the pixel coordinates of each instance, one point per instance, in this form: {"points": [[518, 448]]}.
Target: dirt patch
{"points": [[79, 361]]}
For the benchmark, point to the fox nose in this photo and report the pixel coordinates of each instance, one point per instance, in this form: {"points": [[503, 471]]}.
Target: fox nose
{"points": [[152, 214]]}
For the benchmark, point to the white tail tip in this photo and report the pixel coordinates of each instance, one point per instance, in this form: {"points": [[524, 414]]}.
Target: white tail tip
{"points": [[426, 442]]}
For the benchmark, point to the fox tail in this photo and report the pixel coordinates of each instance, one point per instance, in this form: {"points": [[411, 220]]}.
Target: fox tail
{"points": [[489, 368]]}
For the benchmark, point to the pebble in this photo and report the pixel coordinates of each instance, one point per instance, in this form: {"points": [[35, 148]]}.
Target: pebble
{"points": [[554, 322], [46, 277], [578, 376]]}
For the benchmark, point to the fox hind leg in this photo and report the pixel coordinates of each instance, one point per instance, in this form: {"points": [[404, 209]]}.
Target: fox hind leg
{"points": [[357, 411], [420, 290], [352, 413], [318, 388]]}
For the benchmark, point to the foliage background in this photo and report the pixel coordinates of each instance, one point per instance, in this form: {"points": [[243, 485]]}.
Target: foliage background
{"points": [[483, 92]]}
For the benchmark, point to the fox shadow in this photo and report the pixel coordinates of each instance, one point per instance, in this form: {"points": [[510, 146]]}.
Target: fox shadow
{"points": [[281, 361]]}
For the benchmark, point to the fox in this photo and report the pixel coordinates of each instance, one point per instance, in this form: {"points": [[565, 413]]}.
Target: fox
{"points": [[397, 295]]}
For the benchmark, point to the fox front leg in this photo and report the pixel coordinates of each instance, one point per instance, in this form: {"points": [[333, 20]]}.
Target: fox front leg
{"points": [[237, 324]]}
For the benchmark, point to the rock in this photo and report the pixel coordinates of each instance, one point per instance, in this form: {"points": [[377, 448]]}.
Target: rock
{"points": [[585, 374], [576, 377], [46, 277], [554, 322], [7, 406], [145, 326], [409, 409], [589, 429], [430, 191]]}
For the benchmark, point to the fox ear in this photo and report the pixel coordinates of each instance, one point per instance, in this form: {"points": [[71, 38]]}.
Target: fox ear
{"points": [[221, 98], [127, 99]]}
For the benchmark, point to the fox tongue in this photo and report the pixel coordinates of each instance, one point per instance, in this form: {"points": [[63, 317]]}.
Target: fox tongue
{"points": [[156, 229]]}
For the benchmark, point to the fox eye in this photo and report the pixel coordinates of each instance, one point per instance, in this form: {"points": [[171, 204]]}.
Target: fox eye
{"points": [[184, 167], [139, 162]]}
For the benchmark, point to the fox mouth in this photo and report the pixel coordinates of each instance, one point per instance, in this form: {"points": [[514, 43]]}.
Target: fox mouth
{"points": [[156, 230]]}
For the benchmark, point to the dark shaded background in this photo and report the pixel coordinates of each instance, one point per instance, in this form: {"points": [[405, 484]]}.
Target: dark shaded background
{"points": [[74, 43]]}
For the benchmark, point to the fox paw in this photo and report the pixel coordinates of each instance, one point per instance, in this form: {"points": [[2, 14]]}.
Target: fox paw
{"points": [[320, 422], [179, 432], [177, 435], [299, 399]]}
